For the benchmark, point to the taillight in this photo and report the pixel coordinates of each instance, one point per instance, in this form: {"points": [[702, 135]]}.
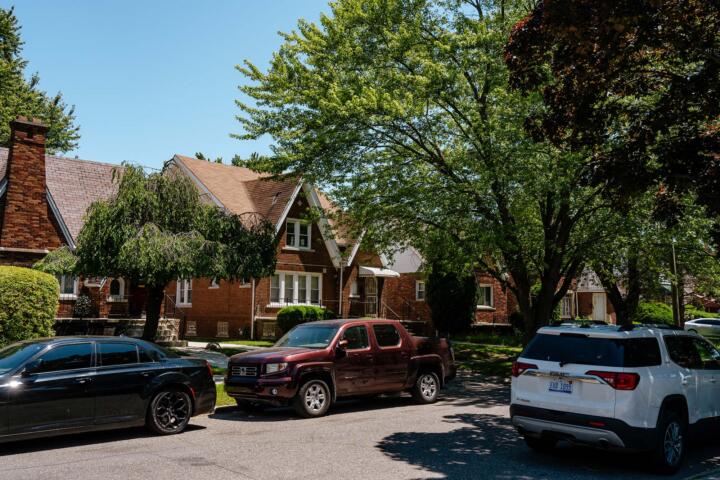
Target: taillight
{"points": [[618, 380], [518, 368]]}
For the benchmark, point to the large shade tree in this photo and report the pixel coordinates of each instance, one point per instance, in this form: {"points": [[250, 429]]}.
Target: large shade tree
{"points": [[401, 108], [20, 95], [157, 229], [637, 82]]}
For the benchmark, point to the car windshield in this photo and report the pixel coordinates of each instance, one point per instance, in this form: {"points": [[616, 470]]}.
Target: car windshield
{"points": [[12, 356], [308, 336]]}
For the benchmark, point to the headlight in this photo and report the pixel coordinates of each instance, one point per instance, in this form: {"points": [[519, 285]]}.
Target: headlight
{"points": [[275, 367]]}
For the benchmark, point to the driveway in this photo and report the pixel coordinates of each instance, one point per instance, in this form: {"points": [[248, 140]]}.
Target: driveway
{"points": [[467, 435]]}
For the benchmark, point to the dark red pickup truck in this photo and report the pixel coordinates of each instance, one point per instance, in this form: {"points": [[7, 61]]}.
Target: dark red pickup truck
{"points": [[316, 363]]}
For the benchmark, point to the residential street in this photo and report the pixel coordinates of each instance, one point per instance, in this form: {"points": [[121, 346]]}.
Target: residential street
{"points": [[467, 435]]}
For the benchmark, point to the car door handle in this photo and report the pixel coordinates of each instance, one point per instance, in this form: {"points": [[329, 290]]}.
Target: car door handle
{"points": [[146, 374], [83, 380]]}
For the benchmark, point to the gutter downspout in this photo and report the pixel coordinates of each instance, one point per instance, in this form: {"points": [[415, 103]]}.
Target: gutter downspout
{"points": [[252, 311]]}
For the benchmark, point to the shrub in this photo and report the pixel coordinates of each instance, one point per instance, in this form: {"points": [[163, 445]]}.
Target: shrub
{"points": [[693, 312], [83, 306], [654, 312], [452, 299], [289, 317], [28, 304]]}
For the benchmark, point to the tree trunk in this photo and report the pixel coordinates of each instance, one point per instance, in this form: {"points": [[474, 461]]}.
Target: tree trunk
{"points": [[155, 296]]}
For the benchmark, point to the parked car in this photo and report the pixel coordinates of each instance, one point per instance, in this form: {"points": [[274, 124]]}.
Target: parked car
{"points": [[645, 388], [77, 384], [318, 362], [707, 327]]}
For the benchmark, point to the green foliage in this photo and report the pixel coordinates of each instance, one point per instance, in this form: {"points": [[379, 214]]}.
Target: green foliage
{"points": [[19, 93], [654, 312], [402, 110], [694, 312], [83, 306], [289, 317], [28, 304], [157, 229], [452, 298], [60, 261]]}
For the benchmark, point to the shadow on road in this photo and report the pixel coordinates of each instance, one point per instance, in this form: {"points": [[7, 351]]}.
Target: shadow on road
{"points": [[81, 440], [487, 446]]}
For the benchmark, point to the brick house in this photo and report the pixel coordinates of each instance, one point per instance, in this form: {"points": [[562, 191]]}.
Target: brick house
{"points": [[316, 264], [406, 293], [43, 199]]}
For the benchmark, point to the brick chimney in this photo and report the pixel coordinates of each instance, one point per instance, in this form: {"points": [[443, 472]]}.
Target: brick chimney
{"points": [[28, 226]]}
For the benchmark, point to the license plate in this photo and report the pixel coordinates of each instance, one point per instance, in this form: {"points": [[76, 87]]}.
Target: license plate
{"points": [[560, 386]]}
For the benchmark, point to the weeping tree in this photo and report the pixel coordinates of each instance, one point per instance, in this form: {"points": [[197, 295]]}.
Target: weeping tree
{"points": [[402, 110], [157, 229]]}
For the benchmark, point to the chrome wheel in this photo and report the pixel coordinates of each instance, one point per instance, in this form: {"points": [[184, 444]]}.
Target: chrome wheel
{"points": [[171, 411], [428, 386], [673, 443], [315, 397]]}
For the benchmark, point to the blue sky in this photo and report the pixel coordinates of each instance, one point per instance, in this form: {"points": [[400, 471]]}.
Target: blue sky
{"points": [[155, 77]]}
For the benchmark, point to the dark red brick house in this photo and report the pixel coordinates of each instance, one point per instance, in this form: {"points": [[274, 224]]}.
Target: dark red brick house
{"points": [[43, 199], [316, 264]]}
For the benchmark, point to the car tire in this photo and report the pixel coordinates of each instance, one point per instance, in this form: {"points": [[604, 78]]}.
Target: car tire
{"points": [[426, 388], [169, 411], [313, 399], [541, 445], [668, 455]]}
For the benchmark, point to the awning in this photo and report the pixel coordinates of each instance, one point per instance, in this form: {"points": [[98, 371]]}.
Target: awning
{"points": [[377, 272]]}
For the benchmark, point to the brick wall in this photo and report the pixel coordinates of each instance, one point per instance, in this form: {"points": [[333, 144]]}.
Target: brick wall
{"points": [[400, 297]]}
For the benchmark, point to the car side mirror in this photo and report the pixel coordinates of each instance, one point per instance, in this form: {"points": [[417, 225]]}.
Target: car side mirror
{"points": [[31, 368], [340, 349]]}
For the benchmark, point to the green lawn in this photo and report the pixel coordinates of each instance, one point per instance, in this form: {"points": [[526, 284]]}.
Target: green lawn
{"points": [[487, 359], [223, 399], [250, 343]]}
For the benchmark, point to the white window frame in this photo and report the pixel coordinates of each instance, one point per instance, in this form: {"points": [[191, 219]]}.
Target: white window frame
{"points": [[184, 286], [354, 289], [566, 305], [492, 297], [214, 283], [295, 223], [120, 297], [420, 290], [62, 279], [296, 278]]}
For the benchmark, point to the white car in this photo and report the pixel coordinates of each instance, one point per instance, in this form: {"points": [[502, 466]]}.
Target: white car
{"points": [[707, 327], [644, 388]]}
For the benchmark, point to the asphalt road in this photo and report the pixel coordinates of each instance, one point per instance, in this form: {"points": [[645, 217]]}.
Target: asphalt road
{"points": [[466, 435]]}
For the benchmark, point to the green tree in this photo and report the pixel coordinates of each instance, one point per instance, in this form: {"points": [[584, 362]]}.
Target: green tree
{"points": [[201, 156], [452, 297], [157, 229], [21, 96], [401, 109], [635, 82]]}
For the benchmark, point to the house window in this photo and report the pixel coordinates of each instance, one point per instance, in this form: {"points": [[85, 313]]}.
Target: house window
{"points": [[354, 290], [295, 288], [184, 292], [485, 296], [298, 234], [223, 329], [566, 307], [214, 283], [117, 290], [419, 290], [68, 287]]}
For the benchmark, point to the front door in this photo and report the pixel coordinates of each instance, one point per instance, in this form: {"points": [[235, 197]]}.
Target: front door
{"points": [[354, 372], [709, 377], [371, 296], [56, 392], [598, 300]]}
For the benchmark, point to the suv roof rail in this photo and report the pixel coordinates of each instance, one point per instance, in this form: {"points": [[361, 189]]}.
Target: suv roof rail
{"points": [[657, 326]]}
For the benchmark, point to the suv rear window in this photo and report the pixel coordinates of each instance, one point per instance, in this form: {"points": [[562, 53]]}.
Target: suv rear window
{"points": [[584, 350]]}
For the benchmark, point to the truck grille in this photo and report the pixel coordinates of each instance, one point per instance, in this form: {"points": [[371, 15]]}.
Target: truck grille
{"points": [[244, 370]]}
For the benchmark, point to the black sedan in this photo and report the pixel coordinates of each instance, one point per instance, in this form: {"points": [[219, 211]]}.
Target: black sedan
{"points": [[76, 384]]}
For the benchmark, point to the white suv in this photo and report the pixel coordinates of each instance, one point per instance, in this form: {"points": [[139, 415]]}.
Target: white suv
{"points": [[644, 388]]}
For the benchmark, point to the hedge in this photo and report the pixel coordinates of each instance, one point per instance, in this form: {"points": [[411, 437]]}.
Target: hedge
{"points": [[28, 304], [289, 317], [654, 312]]}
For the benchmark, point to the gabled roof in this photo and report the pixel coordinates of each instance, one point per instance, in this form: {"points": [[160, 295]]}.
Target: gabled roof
{"points": [[73, 185], [241, 190]]}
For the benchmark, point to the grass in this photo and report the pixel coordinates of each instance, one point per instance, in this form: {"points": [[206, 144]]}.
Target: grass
{"points": [[491, 339], [223, 399], [250, 343], [486, 359]]}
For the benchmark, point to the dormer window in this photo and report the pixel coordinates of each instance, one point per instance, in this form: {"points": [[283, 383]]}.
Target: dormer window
{"points": [[298, 235]]}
